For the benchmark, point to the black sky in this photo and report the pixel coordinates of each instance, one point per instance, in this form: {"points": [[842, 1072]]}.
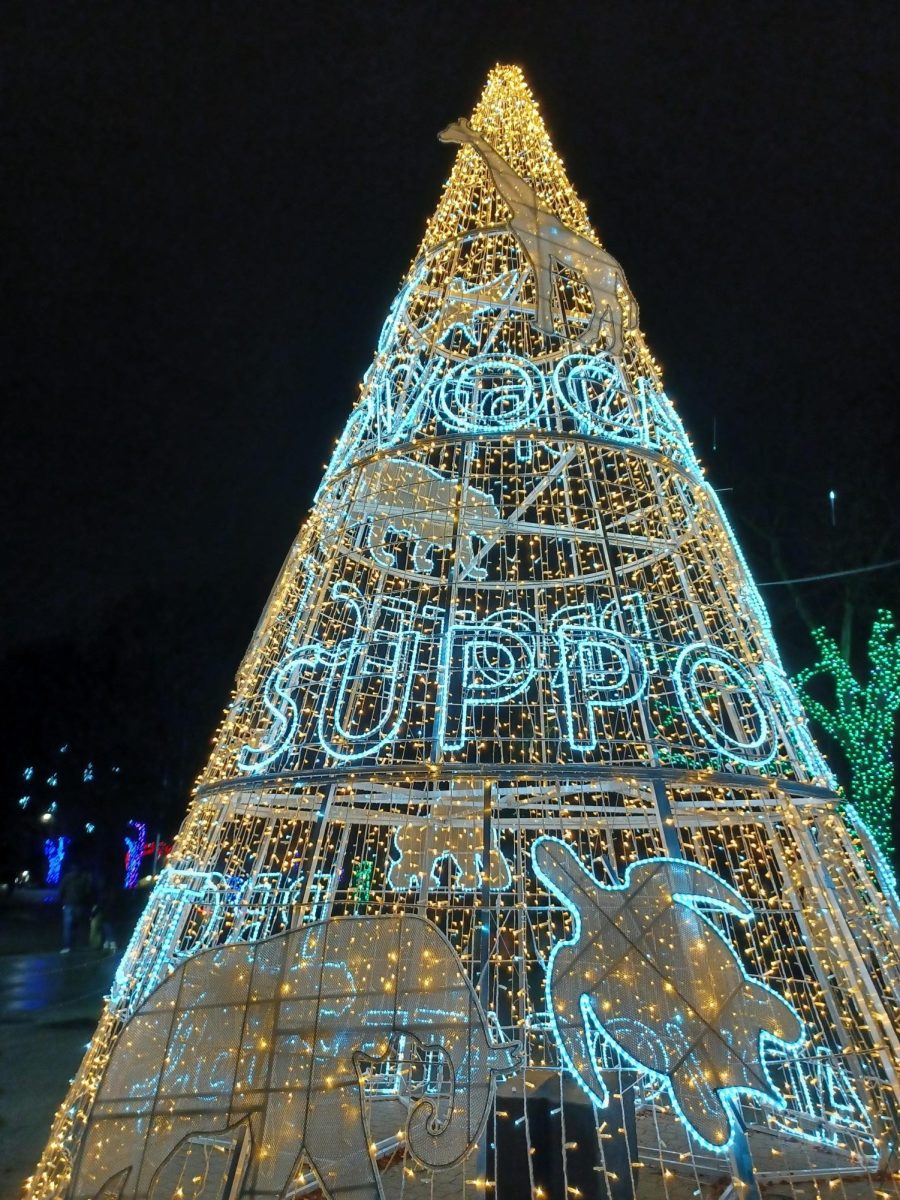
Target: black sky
{"points": [[208, 209]]}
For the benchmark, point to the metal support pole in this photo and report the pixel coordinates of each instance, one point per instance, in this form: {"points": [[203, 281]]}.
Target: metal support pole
{"points": [[484, 951], [746, 1187]]}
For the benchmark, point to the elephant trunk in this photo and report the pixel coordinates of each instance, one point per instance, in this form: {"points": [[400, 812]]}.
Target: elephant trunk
{"points": [[442, 1144], [441, 1137]]}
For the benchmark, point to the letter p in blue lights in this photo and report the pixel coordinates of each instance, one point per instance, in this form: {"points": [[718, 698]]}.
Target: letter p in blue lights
{"points": [[598, 668], [485, 665]]}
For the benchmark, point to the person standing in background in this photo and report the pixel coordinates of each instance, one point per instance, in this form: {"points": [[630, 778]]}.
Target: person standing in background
{"points": [[74, 896]]}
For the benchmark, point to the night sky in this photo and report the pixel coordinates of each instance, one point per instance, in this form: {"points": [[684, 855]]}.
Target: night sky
{"points": [[208, 209]]}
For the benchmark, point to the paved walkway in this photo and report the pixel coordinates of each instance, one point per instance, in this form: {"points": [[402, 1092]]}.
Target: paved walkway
{"points": [[49, 1004]]}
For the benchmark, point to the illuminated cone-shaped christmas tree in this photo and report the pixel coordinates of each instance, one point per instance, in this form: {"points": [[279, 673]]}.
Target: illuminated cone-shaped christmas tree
{"points": [[514, 774]]}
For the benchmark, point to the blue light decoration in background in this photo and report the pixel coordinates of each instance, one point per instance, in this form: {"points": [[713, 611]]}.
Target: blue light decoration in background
{"points": [[55, 854], [134, 852], [24, 801], [28, 773]]}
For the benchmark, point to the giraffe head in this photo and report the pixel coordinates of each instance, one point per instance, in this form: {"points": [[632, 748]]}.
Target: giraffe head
{"points": [[457, 131]]}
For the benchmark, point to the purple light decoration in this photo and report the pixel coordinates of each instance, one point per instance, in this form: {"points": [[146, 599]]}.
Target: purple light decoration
{"points": [[55, 853], [134, 852]]}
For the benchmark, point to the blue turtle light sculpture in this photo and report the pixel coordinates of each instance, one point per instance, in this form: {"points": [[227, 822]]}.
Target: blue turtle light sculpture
{"points": [[648, 974]]}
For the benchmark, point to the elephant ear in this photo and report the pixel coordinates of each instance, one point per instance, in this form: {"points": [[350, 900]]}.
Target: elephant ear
{"points": [[562, 873]]}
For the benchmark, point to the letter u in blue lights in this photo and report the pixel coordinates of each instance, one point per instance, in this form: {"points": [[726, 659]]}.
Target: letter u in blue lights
{"points": [[706, 678], [598, 668], [485, 664], [370, 675]]}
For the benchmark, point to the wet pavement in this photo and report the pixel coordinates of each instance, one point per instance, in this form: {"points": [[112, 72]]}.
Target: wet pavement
{"points": [[49, 1005]]}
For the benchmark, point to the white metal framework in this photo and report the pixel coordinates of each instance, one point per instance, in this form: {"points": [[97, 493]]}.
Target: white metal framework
{"points": [[517, 609]]}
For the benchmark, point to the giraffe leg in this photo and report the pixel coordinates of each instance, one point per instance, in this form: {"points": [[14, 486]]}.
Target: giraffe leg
{"points": [[542, 265]]}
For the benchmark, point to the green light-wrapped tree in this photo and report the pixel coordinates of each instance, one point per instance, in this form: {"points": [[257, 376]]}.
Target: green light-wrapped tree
{"points": [[861, 719]]}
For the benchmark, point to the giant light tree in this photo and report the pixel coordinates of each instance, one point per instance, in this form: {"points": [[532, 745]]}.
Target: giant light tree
{"points": [[515, 868]]}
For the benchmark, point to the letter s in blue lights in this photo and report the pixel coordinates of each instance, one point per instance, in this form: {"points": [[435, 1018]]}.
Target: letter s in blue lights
{"points": [[370, 674], [304, 664]]}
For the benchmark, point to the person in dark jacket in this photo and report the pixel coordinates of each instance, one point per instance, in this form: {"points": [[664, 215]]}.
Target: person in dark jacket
{"points": [[102, 935], [74, 896]]}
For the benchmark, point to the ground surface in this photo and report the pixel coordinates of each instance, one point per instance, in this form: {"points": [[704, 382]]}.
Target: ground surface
{"points": [[49, 1004]]}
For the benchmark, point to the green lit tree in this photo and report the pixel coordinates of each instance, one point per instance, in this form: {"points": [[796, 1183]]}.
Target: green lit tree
{"points": [[861, 719]]}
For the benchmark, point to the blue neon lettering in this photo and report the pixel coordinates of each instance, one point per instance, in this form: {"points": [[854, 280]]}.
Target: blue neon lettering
{"points": [[483, 665], [753, 747], [599, 668], [492, 394]]}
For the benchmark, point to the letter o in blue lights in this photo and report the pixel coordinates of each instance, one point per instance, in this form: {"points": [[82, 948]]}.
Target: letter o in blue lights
{"points": [[594, 391], [701, 669], [491, 394]]}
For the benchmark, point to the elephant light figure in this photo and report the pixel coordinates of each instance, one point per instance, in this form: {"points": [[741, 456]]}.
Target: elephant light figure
{"points": [[649, 975], [275, 1038]]}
